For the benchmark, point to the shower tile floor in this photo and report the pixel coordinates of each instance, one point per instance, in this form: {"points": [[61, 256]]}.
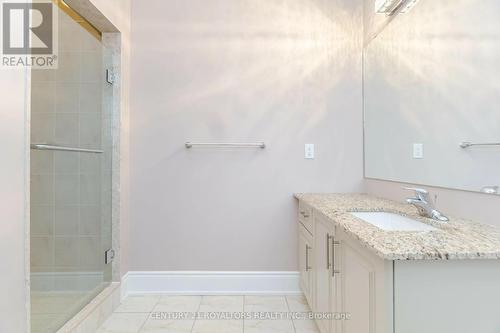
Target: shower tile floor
{"points": [[50, 310], [147, 314]]}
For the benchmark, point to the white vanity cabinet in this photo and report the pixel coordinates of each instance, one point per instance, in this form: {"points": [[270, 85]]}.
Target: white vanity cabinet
{"points": [[363, 284], [323, 280], [306, 216], [387, 296], [348, 279], [305, 262]]}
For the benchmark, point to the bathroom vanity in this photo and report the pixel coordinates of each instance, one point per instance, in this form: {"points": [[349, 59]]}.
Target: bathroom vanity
{"points": [[434, 278]]}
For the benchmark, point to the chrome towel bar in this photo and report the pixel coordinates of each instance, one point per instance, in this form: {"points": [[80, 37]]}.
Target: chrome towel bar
{"points": [[261, 145], [43, 146], [466, 144]]}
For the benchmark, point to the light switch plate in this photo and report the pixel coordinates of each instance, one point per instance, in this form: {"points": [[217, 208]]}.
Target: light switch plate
{"points": [[309, 151], [418, 150]]}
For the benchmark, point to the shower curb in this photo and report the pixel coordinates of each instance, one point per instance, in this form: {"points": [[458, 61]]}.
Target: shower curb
{"points": [[91, 317]]}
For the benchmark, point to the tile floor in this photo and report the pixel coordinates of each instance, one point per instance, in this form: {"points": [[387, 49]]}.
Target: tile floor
{"points": [[139, 314], [50, 310]]}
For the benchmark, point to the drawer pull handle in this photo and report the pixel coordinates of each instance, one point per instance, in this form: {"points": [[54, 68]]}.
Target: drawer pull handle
{"points": [[304, 214], [334, 243], [328, 265], [307, 258]]}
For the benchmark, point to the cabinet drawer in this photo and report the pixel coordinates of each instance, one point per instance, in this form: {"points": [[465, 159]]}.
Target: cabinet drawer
{"points": [[305, 216]]}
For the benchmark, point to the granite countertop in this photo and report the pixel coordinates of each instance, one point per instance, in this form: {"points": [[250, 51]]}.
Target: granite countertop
{"points": [[457, 239]]}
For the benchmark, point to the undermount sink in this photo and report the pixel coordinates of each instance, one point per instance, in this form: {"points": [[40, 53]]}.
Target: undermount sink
{"points": [[393, 222]]}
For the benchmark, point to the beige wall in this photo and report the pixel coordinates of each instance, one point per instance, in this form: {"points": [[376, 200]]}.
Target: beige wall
{"points": [[13, 195], [372, 24], [117, 12], [288, 73]]}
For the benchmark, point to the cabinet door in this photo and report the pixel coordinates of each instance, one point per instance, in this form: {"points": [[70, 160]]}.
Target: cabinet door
{"points": [[305, 216], [305, 262], [323, 233], [364, 285]]}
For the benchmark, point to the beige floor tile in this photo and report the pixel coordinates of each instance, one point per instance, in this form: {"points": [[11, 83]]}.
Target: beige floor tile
{"points": [[297, 303], [218, 326], [139, 303], [265, 304], [221, 304], [123, 323], [41, 323], [269, 326], [129, 321], [305, 326], [54, 302], [167, 326], [178, 304]]}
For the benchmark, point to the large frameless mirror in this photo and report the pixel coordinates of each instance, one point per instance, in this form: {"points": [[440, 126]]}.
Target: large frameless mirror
{"points": [[431, 92]]}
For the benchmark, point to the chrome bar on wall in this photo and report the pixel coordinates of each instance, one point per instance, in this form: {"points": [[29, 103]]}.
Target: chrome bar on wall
{"points": [[466, 144], [43, 146], [261, 145]]}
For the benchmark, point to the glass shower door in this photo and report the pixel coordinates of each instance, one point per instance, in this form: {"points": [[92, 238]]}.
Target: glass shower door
{"points": [[70, 178]]}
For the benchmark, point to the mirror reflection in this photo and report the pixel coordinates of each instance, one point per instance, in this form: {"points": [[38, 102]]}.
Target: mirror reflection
{"points": [[432, 88]]}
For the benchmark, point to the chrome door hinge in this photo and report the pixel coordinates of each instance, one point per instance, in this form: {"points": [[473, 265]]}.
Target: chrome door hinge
{"points": [[110, 76], [109, 256]]}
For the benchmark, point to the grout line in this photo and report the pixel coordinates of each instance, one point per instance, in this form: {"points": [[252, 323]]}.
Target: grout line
{"points": [[148, 312], [157, 302], [144, 323], [53, 208], [244, 301], [133, 311], [197, 310], [289, 311], [287, 305]]}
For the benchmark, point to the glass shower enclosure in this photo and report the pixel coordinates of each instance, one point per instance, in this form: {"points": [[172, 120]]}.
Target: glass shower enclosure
{"points": [[71, 145]]}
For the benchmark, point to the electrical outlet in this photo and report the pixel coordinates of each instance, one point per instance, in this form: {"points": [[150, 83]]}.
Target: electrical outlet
{"points": [[418, 150], [309, 151]]}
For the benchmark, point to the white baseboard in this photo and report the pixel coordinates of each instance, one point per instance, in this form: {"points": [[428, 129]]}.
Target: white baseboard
{"points": [[211, 283]]}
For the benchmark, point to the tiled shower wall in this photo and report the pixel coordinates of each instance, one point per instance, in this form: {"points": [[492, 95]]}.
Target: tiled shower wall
{"points": [[67, 188]]}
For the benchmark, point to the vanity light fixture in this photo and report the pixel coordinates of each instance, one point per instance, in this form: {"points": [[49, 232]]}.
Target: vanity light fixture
{"points": [[390, 7], [408, 6], [387, 6]]}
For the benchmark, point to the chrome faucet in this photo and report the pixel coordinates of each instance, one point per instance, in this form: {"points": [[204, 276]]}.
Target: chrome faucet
{"points": [[424, 204], [490, 190]]}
